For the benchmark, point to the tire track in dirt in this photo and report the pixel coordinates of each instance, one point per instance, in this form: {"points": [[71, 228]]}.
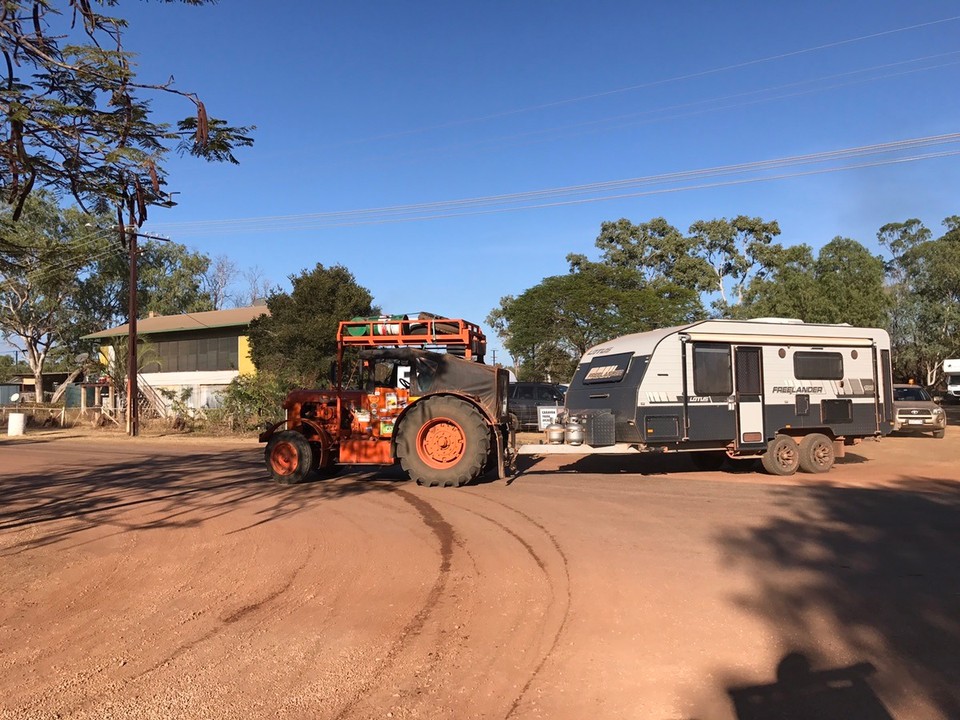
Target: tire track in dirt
{"points": [[566, 599], [227, 621], [447, 539]]}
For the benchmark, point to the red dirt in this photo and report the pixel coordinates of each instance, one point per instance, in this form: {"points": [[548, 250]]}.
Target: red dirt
{"points": [[168, 578]]}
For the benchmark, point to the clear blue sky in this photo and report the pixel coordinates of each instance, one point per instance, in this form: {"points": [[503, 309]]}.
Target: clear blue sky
{"points": [[377, 104]]}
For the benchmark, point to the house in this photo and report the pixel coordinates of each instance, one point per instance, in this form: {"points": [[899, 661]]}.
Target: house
{"points": [[200, 352], [26, 387]]}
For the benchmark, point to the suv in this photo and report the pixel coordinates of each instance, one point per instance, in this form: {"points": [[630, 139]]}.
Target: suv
{"points": [[526, 397], [915, 411]]}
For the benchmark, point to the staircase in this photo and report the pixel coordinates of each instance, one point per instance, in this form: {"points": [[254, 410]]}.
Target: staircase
{"points": [[151, 403]]}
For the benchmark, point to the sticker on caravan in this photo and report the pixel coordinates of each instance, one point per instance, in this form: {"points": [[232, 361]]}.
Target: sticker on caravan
{"points": [[604, 372], [801, 390]]}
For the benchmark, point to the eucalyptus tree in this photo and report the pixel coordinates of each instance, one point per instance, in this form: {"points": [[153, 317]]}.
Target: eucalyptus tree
{"points": [[551, 324], [62, 279], [924, 283], [43, 254], [718, 258]]}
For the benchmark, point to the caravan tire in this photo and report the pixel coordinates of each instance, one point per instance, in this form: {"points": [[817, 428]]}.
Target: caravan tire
{"points": [[816, 453], [782, 456]]}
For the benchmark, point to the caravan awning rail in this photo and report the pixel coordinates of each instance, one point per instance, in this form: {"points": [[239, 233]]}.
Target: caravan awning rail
{"points": [[751, 339]]}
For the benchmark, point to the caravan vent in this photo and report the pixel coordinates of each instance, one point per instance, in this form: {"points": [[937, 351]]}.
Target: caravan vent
{"points": [[782, 321]]}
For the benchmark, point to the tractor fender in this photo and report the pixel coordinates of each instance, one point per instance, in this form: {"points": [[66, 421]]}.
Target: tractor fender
{"points": [[320, 433], [460, 396]]}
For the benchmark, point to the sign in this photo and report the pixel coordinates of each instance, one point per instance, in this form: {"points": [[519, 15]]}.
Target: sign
{"points": [[546, 414]]}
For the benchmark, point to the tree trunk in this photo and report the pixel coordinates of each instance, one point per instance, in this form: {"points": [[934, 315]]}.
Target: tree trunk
{"points": [[63, 388]]}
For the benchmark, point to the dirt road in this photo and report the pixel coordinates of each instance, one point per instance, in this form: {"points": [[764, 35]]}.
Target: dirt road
{"points": [[169, 579]]}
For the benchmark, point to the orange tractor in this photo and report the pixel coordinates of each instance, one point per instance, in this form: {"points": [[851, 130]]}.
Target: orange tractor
{"points": [[417, 393]]}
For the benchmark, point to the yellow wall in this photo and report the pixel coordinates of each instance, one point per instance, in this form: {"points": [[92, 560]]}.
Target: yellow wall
{"points": [[246, 366]]}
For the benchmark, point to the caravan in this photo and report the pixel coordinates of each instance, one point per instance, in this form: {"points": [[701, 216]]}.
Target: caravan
{"points": [[790, 393]]}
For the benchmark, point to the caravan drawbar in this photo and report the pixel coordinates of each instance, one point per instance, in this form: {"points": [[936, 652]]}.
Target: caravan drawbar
{"points": [[790, 393]]}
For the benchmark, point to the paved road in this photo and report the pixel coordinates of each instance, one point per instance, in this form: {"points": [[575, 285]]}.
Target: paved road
{"points": [[160, 579]]}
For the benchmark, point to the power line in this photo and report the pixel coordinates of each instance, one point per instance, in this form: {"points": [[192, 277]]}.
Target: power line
{"points": [[654, 115], [645, 85], [594, 192]]}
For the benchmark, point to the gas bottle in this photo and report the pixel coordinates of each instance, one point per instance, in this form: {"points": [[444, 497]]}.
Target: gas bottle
{"points": [[573, 432], [554, 433]]}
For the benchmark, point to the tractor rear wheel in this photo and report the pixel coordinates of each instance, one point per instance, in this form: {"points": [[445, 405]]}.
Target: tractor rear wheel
{"points": [[443, 441], [289, 457]]}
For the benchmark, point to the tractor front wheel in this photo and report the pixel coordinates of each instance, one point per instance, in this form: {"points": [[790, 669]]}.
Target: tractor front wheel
{"points": [[289, 457]]}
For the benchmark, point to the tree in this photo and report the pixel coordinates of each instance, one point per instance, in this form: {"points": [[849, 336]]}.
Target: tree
{"points": [[170, 282], [851, 283], [68, 280], [258, 287], [549, 326], [737, 251], [217, 280], [924, 277], [298, 338], [76, 119], [50, 246], [844, 284], [719, 257]]}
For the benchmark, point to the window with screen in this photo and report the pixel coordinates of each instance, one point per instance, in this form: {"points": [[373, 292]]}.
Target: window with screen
{"points": [[818, 366], [607, 369], [712, 370], [193, 354]]}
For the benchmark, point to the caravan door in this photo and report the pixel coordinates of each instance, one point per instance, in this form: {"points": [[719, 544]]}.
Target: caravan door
{"points": [[748, 396]]}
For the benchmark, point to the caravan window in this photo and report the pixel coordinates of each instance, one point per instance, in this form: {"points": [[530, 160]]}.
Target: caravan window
{"points": [[818, 366], [607, 369], [712, 370]]}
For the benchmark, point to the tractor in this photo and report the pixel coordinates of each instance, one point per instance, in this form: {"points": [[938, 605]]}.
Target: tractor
{"points": [[413, 391]]}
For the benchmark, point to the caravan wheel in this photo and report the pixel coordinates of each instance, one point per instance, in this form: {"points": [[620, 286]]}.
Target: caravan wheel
{"points": [[782, 456], [816, 453]]}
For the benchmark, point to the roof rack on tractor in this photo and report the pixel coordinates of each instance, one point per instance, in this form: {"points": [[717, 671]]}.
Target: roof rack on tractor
{"points": [[412, 391]]}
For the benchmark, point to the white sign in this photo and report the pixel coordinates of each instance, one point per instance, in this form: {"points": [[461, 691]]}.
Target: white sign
{"points": [[546, 414]]}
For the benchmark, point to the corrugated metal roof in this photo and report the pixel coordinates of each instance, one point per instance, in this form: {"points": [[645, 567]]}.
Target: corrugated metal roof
{"points": [[233, 317]]}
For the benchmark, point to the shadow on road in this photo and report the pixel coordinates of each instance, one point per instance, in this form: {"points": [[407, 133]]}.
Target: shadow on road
{"points": [[181, 490], [801, 693], [644, 464], [879, 568]]}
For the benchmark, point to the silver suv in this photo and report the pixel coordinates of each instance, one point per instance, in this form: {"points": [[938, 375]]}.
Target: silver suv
{"points": [[915, 411]]}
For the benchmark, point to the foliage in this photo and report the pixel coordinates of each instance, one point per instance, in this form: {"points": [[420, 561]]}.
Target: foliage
{"points": [[76, 119], [114, 363], [251, 400], [9, 368], [549, 326], [297, 340], [718, 256], [925, 284], [170, 281], [844, 284], [41, 256]]}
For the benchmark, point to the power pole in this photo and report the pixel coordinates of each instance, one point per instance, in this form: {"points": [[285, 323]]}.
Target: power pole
{"points": [[133, 392], [129, 234]]}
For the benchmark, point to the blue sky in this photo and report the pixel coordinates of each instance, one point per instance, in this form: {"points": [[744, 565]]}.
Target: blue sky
{"points": [[378, 104]]}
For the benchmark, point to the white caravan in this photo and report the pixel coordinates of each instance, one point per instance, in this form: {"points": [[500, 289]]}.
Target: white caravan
{"points": [[791, 393]]}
